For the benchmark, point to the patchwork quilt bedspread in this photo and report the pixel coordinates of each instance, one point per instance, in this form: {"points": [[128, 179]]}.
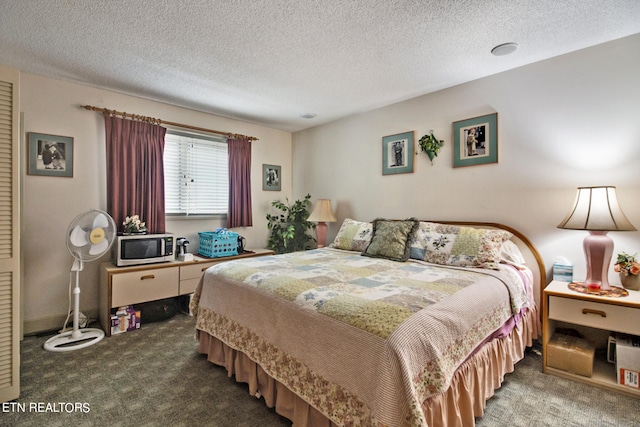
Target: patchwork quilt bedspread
{"points": [[364, 340]]}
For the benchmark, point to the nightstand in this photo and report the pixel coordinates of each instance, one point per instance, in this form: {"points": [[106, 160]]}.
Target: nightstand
{"points": [[594, 317]]}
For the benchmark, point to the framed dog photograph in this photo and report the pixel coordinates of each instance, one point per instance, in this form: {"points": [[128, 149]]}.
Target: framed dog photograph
{"points": [[50, 155]]}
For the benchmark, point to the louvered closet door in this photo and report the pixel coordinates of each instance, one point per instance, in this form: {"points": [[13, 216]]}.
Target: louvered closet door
{"points": [[9, 237]]}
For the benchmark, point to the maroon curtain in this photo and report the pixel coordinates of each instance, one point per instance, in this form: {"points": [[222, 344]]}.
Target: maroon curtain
{"points": [[135, 171], [239, 214]]}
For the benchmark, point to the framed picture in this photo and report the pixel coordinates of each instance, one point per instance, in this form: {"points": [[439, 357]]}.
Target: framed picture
{"points": [[397, 153], [475, 141], [271, 177], [50, 155]]}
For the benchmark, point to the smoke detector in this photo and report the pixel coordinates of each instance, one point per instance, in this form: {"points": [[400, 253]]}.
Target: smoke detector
{"points": [[504, 49]]}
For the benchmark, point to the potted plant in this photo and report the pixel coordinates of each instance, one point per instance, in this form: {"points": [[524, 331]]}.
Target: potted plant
{"points": [[289, 227], [431, 145], [629, 269]]}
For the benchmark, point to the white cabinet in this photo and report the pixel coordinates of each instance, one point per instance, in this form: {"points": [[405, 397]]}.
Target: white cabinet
{"points": [[120, 286], [594, 317]]}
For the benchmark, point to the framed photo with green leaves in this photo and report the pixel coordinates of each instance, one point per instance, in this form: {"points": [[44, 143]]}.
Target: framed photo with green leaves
{"points": [[475, 141], [49, 155], [398, 153]]}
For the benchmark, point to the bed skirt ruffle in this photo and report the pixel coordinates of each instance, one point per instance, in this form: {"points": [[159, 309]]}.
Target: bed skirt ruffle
{"points": [[473, 384]]}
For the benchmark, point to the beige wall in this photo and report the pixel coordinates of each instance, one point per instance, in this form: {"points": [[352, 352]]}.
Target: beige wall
{"points": [[51, 203], [566, 122]]}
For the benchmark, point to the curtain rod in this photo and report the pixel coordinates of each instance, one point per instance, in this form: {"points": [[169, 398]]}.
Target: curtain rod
{"points": [[159, 122]]}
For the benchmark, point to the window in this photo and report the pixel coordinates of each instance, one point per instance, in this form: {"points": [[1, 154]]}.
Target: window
{"points": [[196, 178]]}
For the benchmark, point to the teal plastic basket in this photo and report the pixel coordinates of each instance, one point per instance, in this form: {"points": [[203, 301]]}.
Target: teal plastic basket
{"points": [[215, 244]]}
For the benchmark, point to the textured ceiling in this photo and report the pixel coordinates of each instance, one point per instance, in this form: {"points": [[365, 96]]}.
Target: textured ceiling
{"points": [[269, 61]]}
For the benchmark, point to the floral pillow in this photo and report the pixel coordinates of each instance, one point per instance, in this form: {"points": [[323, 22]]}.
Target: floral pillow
{"points": [[458, 245], [392, 239], [353, 235]]}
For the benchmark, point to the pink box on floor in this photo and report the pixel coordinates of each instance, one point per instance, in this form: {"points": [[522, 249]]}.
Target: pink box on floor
{"points": [[126, 319]]}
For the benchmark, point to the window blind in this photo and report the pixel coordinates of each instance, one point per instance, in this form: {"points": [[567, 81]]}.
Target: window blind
{"points": [[196, 174]]}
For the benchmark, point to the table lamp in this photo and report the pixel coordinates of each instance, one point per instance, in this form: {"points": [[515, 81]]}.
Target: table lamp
{"points": [[322, 214], [596, 210]]}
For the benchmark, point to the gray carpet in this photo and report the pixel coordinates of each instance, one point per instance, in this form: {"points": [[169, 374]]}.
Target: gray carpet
{"points": [[154, 377], [530, 398]]}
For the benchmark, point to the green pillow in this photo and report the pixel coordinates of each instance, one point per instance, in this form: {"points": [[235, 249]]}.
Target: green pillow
{"points": [[392, 239], [353, 235]]}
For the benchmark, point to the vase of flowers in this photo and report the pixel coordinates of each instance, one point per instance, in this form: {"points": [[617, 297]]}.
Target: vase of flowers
{"points": [[628, 268], [133, 225]]}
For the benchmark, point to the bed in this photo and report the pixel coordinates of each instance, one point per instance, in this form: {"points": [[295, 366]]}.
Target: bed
{"points": [[396, 323]]}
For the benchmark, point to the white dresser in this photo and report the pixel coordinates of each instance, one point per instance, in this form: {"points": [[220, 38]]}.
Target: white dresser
{"points": [[121, 286]]}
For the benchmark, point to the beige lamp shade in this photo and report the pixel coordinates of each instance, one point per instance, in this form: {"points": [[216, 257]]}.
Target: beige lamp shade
{"points": [[322, 212], [596, 208]]}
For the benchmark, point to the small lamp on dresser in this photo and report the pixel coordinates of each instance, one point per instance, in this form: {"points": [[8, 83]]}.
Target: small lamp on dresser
{"points": [[596, 210], [322, 213]]}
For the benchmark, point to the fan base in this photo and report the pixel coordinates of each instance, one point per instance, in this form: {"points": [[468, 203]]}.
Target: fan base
{"points": [[66, 342]]}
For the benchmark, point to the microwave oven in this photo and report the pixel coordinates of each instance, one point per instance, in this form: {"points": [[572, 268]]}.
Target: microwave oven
{"points": [[138, 249]]}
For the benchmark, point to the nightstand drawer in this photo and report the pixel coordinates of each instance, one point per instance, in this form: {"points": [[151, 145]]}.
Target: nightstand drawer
{"points": [[194, 271], [142, 286], [594, 314], [188, 286]]}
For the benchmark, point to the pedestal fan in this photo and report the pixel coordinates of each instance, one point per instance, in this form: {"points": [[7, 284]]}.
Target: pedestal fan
{"points": [[89, 236]]}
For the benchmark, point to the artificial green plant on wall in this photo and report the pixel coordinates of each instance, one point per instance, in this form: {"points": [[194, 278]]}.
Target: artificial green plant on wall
{"points": [[431, 145]]}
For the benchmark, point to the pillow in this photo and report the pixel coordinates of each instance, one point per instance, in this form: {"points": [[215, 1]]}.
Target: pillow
{"points": [[510, 254], [392, 239], [353, 235], [458, 245], [420, 241]]}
